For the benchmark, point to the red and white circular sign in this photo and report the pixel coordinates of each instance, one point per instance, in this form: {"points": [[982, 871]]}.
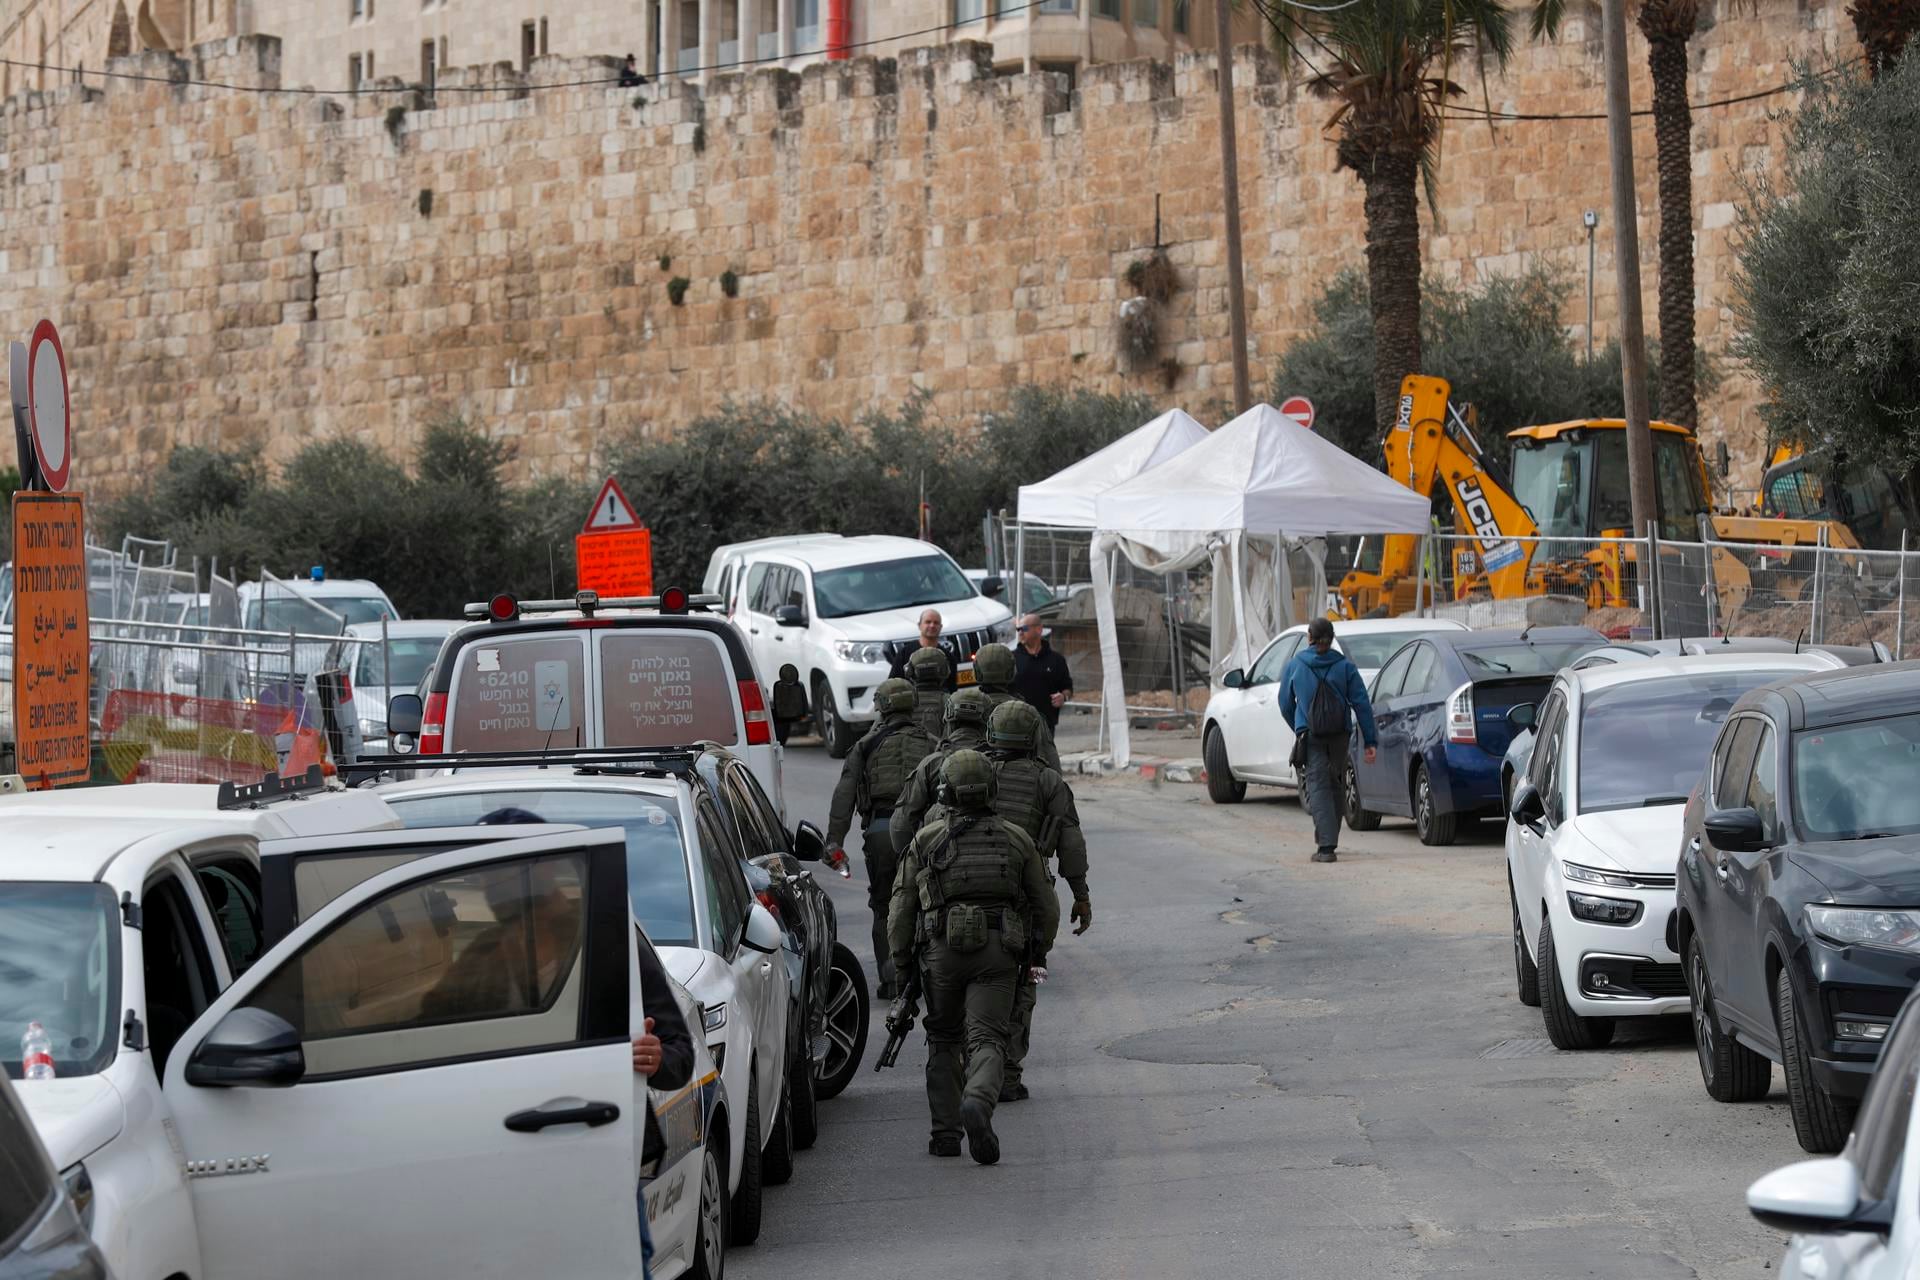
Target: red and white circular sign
{"points": [[1300, 409], [47, 417]]}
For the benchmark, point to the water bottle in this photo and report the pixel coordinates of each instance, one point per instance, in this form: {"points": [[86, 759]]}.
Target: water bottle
{"points": [[36, 1053]]}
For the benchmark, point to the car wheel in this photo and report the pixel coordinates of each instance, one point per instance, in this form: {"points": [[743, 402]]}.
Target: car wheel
{"points": [[1567, 1029], [743, 1222], [1730, 1070], [1820, 1120], [803, 1104], [1526, 974], [835, 732], [1221, 787], [776, 1162], [710, 1235], [848, 1011], [1358, 816], [1435, 828]]}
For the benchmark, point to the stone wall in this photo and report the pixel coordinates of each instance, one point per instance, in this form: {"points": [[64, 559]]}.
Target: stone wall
{"points": [[260, 268]]}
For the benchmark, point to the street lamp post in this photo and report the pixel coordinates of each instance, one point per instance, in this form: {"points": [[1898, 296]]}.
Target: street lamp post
{"points": [[1592, 220]]}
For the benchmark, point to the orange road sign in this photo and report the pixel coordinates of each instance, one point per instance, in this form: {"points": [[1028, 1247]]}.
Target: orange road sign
{"points": [[50, 678]]}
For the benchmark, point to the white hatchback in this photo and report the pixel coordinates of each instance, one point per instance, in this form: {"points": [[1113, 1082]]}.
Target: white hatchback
{"points": [[1594, 837], [1245, 738]]}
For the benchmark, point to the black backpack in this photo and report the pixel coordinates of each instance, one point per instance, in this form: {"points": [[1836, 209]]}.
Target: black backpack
{"points": [[1327, 713]]}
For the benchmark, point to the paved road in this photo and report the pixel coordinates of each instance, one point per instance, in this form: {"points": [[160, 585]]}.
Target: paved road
{"points": [[1255, 1066]]}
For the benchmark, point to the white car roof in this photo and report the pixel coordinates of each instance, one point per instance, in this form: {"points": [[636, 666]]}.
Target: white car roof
{"points": [[556, 779], [1593, 679], [1373, 626], [325, 589], [836, 552], [411, 628]]}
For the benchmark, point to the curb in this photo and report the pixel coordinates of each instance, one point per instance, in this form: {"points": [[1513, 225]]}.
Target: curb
{"points": [[1151, 768]]}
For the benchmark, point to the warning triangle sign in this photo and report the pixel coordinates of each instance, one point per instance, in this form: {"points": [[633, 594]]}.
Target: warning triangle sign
{"points": [[611, 510]]}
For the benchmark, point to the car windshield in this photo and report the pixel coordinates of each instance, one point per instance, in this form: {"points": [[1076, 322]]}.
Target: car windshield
{"points": [[311, 616], [60, 967], [1487, 660], [657, 881], [1855, 781], [400, 663], [1372, 649], [1645, 742], [888, 584]]}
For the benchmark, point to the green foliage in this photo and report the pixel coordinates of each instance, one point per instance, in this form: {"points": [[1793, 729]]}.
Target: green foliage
{"points": [[677, 289], [1500, 344], [730, 283], [1824, 287]]}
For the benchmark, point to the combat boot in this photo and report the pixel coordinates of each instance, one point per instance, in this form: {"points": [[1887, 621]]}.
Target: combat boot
{"points": [[977, 1116], [1013, 1091], [944, 1144]]}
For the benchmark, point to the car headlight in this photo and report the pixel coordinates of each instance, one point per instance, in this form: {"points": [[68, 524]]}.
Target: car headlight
{"points": [[1894, 930], [1003, 632], [713, 1017], [868, 652], [80, 1191], [1594, 875], [1597, 910]]}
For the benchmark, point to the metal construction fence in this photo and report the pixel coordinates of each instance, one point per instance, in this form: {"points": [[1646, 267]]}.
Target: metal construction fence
{"points": [[189, 682]]}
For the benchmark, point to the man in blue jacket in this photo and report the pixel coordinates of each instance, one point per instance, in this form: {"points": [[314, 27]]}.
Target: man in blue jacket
{"points": [[1322, 757]]}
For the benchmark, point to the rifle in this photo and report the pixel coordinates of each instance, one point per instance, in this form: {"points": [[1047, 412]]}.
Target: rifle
{"points": [[900, 1019]]}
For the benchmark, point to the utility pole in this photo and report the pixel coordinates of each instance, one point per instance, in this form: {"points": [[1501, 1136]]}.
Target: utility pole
{"points": [[1230, 177], [1626, 262]]}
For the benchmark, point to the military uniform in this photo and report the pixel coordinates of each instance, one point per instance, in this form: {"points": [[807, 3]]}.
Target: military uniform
{"points": [[993, 667], [972, 903], [876, 769], [930, 671], [967, 713]]}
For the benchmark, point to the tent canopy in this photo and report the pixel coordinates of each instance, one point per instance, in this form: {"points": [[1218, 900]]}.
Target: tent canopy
{"points": [[1261, 473], [1066, 499]]}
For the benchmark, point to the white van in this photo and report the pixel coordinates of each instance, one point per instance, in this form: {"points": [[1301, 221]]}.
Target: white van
{"points": [[841, 610]]}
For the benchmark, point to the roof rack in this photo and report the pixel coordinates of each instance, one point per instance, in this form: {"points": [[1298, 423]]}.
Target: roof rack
{"points": [[586, 602], [252, 795], [659, 761]]}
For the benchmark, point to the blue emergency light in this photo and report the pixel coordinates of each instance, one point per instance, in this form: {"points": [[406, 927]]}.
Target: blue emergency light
{"points": [[318, 573]]}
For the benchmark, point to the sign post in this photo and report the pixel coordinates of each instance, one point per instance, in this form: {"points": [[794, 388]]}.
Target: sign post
{"points": [[50, 676], [613, 552], [1298, 408]]}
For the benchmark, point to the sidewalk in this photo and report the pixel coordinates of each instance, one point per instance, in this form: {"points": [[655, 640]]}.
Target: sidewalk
{"points": [[1170, 754]]}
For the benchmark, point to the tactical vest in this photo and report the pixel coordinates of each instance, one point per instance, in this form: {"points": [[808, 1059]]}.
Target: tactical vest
{"points": [[1017, 797], [930, 710], [901, 746], [977, 865]]}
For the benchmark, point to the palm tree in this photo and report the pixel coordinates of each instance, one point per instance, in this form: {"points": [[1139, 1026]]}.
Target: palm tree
{"points": [[1668, 25], [1388, 65]]}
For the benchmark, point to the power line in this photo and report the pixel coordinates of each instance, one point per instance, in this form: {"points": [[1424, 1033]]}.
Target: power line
{"points": [[1456, 112]]}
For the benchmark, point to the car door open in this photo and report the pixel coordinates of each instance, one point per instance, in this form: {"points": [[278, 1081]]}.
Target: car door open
{"points": [[430, 1074]]}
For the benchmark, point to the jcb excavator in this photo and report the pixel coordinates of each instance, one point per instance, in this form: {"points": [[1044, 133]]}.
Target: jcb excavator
{"points": [[1870, 509]]}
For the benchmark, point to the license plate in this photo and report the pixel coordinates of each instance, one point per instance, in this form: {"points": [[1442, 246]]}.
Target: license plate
{"points": [[964, 676]]}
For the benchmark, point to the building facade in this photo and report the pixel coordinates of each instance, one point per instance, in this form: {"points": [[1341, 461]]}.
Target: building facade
{"points": [[46, 41], [343, 44]]}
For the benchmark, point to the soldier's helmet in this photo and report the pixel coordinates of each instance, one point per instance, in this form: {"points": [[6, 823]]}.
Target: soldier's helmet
{"points": [[893, 695], [969, 706], [966, 781], [993, 666], [929, 667], [1014, 726]]}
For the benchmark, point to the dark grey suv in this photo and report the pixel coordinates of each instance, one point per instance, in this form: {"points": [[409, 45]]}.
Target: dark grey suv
{"points": [[42, 1235]]}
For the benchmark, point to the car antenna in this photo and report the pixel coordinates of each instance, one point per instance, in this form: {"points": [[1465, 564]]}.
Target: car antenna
{"points": [[1798, 638], [553, 729], [1523, 632]]}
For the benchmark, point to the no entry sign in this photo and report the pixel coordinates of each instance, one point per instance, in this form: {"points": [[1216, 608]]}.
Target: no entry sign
{"points": [[1298, 408], [48, 424]]}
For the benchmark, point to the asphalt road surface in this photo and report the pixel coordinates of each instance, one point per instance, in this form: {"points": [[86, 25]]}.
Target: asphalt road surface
{"points": [[1256, 1066]]}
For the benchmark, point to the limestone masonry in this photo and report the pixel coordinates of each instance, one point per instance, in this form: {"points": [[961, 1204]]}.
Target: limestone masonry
{"points": [[258, 269]]}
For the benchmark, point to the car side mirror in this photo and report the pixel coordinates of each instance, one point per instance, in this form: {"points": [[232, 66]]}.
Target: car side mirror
{"points": [[1820, 1197], [790, 615], [992, 588], [404, 713], [1234, 679], [249, 1047], [809, 843], [1520, 717], [1736, 830], [1528, 809], [763, 932]]}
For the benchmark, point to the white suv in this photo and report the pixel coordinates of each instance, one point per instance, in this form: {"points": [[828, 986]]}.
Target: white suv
{"points": [[842, 610]]}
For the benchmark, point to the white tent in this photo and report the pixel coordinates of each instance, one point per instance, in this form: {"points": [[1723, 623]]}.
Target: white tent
{"points": [[1238, 498], [1065, 500]]}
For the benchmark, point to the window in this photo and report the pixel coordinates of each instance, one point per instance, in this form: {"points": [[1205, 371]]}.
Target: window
{"points": [[1182, 17], [1855, 780], [1734, 763], [1371, 651], [353, 71], [728, 52], [519, 695], [723, 881], [369, 66], [232, 890], [756, 589], [356, 9], [1273, 663], [1146, 14], [1420, 672], [543, 37], [529, 45], [477, 961], [404, 658], [1059, 6], [806, 26], [1882, 1127], [1107, 9], [1546, 773], [969, 10], [1646, 743], [1520, 659], [1764, 789], [768, 45], [889, 584], [60, 953], [756, 812], [428, 64], [661, 690], [443, 51], [179, 971], [27, 1185], [1387, 683]]}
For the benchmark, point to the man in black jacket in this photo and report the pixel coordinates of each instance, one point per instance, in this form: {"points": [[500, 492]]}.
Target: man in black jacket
{"points": [[1040, 675], [663, 1053]]}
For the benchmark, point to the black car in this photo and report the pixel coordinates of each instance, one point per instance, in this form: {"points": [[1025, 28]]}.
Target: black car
{"points": [[1798, 911], [43, 1235]]}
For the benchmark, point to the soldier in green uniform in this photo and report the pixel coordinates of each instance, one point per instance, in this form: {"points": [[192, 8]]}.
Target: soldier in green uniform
{"points": [[973, 906], [993, 667], [967, 713], [876, 770], [929, 670], [1036, 799]]}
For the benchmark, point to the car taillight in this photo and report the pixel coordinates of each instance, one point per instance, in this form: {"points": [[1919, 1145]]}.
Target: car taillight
{"points": [[433, 725], [754, 706], [766, 900], [1460, 726]]}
